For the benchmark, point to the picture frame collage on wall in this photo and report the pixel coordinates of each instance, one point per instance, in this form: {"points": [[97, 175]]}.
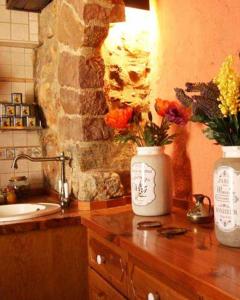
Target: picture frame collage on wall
{"points": [[18, 114]]}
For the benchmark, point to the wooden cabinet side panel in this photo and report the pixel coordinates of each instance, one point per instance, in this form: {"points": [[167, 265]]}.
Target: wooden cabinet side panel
{"points": [[49, 264]]}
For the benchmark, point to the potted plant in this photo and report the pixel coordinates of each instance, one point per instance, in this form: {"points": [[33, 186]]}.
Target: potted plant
{"points": [[216, 104], [151, 180]]}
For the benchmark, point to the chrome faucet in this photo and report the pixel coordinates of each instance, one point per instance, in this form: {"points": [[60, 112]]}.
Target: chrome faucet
{"points": [[63, 186]]}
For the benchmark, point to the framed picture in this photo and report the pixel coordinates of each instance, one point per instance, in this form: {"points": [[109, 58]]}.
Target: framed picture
{"points": [[6, 122], [18, 110], [12, 121], [16, 98], [18, 122], [10, 110], [25, 110], [31, 122]]}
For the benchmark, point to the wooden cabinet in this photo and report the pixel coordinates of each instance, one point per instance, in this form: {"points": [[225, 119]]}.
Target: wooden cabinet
{"points": [[144, 265], [114, 276]]}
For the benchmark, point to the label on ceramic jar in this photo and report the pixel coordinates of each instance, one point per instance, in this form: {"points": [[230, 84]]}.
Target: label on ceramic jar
{"points": [[143, 184], [227, 198]]}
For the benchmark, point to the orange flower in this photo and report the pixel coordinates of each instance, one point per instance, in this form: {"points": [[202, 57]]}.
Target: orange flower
{"points": [[161, 106], [119, 118], [172, 111]]}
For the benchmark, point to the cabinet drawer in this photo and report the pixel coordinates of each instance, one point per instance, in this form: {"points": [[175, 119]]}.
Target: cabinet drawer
{"points": [[144, 286], [108, 260], [99, 289]]}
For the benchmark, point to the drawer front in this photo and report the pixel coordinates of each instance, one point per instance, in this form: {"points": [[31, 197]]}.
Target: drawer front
{"points": [[144, 286], [109, 261], [99, 289]]}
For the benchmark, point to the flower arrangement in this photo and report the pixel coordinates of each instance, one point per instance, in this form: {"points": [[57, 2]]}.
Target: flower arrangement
{"points": [[134, 123], [216, 104]]}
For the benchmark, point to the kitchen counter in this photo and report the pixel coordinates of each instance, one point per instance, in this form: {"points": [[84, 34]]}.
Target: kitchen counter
{"points": [[195, 263]]}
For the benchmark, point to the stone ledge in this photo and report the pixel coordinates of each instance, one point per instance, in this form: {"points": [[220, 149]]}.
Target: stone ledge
{"points": [[99, 185]]}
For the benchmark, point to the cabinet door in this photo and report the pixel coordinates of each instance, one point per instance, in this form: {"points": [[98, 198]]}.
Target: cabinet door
{"points": [[144, 286], [109, 261], [99, 289]]}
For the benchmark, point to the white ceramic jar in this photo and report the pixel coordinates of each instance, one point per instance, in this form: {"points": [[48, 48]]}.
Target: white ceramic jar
{"points": [[227, 197], [151, 182]]}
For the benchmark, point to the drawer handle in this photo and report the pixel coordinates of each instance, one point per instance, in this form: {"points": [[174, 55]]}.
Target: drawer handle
{"points": [[100, 259], [153, 296]]}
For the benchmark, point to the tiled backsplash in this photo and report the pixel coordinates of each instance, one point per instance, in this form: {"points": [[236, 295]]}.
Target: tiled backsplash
{"points": [[18, 29], [18, 25], [16, 63], [13, 143]]}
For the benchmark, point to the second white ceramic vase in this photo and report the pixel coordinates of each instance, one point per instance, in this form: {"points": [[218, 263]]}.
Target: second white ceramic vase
{"points": [[227, 197], [151, 182]]}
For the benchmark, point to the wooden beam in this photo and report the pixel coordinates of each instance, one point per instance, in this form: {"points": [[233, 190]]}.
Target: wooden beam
{"points": [[27, 5], [143, 4]]}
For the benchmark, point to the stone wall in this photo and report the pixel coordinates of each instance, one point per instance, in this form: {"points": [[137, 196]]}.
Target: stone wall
{"points": [[70, 89], [126, 53]]}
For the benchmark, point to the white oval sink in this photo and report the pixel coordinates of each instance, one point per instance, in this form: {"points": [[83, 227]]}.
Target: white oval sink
{"points": [[13, 212]]}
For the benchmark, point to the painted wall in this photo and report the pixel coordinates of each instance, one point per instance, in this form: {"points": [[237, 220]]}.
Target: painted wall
{"points": [[194, 37]]}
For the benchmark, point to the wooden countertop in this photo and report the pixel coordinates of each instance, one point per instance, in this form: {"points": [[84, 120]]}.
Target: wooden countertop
{"points": [[70, 216], [195, 260]]}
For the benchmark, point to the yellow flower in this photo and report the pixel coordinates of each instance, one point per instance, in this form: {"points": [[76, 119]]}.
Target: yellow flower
{"points": [[228, 82]]}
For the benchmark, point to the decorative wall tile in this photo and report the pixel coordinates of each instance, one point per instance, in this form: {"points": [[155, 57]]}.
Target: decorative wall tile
{"points": [[2, 154], [10, 153], [19, 151], [36, 151]]}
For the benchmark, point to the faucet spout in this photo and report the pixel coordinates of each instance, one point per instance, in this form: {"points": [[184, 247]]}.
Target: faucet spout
{"points": [[37, 159], [63, 195]]}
